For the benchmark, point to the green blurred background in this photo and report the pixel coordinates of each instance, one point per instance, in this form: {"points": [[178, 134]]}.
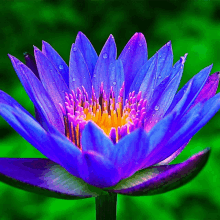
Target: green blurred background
{"points": [[192, 26]]}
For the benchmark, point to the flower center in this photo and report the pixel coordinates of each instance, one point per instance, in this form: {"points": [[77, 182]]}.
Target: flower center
{"points": [[116, 119]]}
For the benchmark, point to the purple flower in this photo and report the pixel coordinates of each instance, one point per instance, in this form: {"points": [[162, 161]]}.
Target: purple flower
{"points": [[107, 124]]}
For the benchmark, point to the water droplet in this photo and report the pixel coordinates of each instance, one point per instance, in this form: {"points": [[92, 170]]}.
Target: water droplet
{"points": [[60, 67], [105, 55], [129, 48], [74, 79], [156, 107], [94, 75], [74, 48], [159, 77], [140, 44], [114, 83]]}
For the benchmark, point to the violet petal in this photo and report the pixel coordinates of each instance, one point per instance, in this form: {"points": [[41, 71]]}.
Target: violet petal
{"points": [[38, 95], [165, 62], [98, 170], [130, 152], [133, 56], [43, 176], [198, 81], [57, 61], [160, 179], [94, 139], [145, 77], [51, 79], [29, 129], [107, 70], [79, 74], [87, 50]]}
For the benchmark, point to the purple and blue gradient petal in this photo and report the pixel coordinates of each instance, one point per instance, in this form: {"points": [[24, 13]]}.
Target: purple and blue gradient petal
{"points": [[130, 152], [29, 129], [57, 61], [198, 81], [93, 139], [79, 74], [160, 179], [87, 50], [97, 170], [43, 176], [38, 95], [165, 62], [133, 57], [51, 79], [107, 70], [145, 78]]}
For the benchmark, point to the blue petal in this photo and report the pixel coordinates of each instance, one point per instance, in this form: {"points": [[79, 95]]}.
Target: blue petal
{"points": [[57, 61], [28, 128], [43, 176], [94, 139], [130, 152], [145, 79], [87, 50], [175, 130], [161, 100], [66, 151], [51, 79], [117, 77], [7, 99], [198, 81], [165, 62], [133, 57], [208, 90], [38, 95], [98, 170], [79, 74], [107, 70], [183, 129]]}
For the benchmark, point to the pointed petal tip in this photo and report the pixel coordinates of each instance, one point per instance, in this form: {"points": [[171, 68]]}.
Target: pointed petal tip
{"points": [[44, 44], [36, 50], [13, 59], [80, 33], [10, 56], [183, 59], [169, 43]]}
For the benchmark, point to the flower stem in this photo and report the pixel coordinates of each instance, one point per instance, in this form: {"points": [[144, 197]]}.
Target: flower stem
{"points": [[106, 207]]}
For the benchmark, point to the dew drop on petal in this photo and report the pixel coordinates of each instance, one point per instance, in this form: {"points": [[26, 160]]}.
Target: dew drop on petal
{"points": [[105, 55], [140, 44], [94, 75], [156, 108], [114, 83], [60, 67], [159, 77], [74, 79], [74, 48]]}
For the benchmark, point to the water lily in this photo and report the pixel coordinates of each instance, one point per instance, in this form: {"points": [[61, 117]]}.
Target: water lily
{"points": [[107, 125]]}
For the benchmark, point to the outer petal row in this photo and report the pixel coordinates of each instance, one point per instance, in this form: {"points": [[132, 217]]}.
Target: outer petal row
{"points": [[45, 177], [160, 179]]}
